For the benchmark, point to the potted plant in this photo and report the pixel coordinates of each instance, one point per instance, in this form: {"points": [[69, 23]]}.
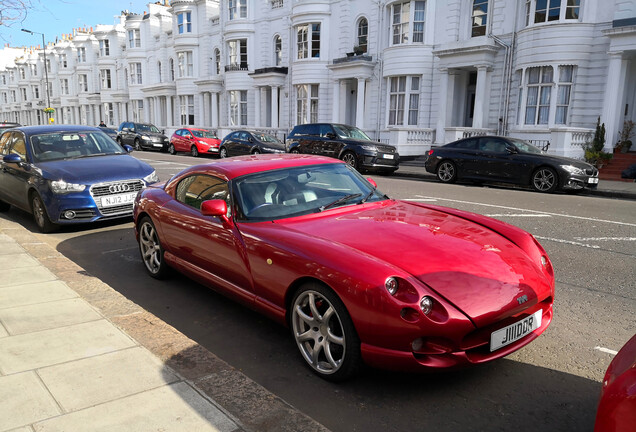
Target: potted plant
{"points": [[358, 50], [593, 151], [624, 137]]}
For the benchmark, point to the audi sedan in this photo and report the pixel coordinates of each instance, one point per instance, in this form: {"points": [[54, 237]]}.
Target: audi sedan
{"points": [[68, 175], [357, 276], [509, 160]]}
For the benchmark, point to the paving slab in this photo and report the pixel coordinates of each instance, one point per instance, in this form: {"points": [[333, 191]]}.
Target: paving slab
{"points": [[17, 260], [24, 400], [42, 292], [49, 347], [9, 248], [95, 380], [44, 316], [177, 407], [24, 275], [3, 331]]}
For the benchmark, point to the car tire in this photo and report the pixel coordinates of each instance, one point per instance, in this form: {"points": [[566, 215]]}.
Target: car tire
{"points": [[137, 145], [4, 207], [151, 250], [40, 216], [118, 139], [544, 179], [194, 151], [171, 149], [328, 343], [223, 153], [447, 172], [350, 159], [256, 151], [294, 151]]}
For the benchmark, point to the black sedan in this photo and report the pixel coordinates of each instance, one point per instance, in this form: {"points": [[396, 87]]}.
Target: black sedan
{"points": [[245, 142], [509, 160]]}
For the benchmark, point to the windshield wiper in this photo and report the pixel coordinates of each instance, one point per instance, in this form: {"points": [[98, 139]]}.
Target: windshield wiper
{"points": [[340, 201]]}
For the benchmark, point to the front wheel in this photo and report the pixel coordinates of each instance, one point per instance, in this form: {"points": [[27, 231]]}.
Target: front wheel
{"points": [[171, 149], [294, 151], [545, 180], [324, 333], [194, 151], [256, 151], [447, 172], [40, 215], [137, 144], [350, 159], [223, 152], [151, 250]]}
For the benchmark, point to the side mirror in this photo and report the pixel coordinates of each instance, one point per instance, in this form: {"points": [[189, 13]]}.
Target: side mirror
{"points": [[128, 149], [330, 135], [217, 208], [373, 183], [510, 149], [125, 129], [12, 158]]}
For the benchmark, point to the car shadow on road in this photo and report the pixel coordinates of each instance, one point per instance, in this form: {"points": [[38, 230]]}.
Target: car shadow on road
{"points": [[502, 395]]}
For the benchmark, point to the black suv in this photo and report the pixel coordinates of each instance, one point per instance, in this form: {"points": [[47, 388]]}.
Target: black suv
{"points": [[344, 142], [142, 136]]}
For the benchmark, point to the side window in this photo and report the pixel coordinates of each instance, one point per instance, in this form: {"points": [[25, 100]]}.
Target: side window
{"points": [[244, 136], [324, 130], [492, 145], [195, 189], [235, 135], [18, 146], [312, 129], [4, 143], [469, 144]]}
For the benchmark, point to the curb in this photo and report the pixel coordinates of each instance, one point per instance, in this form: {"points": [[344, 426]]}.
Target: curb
{"points": [[252, 406]]}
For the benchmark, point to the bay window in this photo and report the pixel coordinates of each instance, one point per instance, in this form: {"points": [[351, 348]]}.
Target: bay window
{"points": [[184, 22], [539, 91], [306, 103], [308, 40], [403, 14], [185, 64], [404, 97], [186, 106], [238, 107]]}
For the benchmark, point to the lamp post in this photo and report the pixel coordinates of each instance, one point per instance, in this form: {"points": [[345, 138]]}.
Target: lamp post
{"points": [[46, 71]]}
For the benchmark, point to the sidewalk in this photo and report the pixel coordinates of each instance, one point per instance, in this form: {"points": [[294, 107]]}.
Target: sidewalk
{"points": [[75, 355], [606, 188]]}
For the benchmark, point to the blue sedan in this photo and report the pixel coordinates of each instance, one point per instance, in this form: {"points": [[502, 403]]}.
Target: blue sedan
{"points": [[68, 174]]}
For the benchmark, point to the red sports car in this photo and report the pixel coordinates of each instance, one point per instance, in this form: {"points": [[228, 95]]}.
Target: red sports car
{"points": [[195, 141], [356, 275]]}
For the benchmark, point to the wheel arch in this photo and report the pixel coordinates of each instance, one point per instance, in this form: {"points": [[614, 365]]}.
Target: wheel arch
{"points": [[297, 284], [559, 177]]}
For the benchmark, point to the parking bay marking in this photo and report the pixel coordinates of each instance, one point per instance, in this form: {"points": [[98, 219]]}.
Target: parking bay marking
{"points": [[606, 350]]}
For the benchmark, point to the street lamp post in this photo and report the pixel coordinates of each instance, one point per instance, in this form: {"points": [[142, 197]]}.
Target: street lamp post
{"points": [[46, 72]]}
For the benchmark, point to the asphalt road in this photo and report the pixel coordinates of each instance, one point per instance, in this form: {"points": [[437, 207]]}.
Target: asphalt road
{"points": [[552, 384]]}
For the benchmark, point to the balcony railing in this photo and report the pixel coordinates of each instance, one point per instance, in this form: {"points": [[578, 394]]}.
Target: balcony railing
{"points": [[236, 67], [276, 4]]}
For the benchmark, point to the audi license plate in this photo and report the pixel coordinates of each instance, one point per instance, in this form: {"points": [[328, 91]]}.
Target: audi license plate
{"points": [[387, 156], [115, 200], [516, 331]]}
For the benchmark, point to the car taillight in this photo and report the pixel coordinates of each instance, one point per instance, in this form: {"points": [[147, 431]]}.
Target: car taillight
{"points": [[430, 152]]}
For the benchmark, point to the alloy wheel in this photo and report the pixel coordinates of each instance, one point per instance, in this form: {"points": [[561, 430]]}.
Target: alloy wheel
{"points": [[544, 180], [150, 248], [446, 172], [223, 152], [194, 151], [350, 159]]}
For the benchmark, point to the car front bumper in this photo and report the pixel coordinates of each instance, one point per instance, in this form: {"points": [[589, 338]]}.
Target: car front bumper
{"points": [[380, 161], [579, 182]]}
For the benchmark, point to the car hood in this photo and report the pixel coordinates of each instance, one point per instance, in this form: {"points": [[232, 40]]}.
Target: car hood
{"points": [[562, 160], [96, 169], [481, 272]]}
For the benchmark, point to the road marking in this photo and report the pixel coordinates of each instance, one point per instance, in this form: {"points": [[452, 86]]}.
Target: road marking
{"points": [[606, 350], [567, 242], [528, 210], [119, 250], [421, 199], [517, 215], [605, 238], [160, 162]]}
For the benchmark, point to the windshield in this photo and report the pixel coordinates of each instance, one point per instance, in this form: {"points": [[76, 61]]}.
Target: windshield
{"points": [[345, 131], [70, 145], [140, 127], [525, 147], [203, 134], [267, 138], [297, 191]]}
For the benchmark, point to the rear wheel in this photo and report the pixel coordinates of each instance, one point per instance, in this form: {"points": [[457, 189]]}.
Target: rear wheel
{"points": [[350, 159], [151, 250], [171, 149], [223, 152], [545, 180], [40, 216], [447, 172], [194, 151], [256, 151], [294, 151]]}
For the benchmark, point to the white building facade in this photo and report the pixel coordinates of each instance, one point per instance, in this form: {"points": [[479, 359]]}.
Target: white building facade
{"points": [[413, 73]]}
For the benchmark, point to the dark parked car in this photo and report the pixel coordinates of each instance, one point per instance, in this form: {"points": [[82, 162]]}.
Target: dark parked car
{"points": [[629, 172], [344, 142], [142, 136], [249, 142], [509, 160], [6, 125], [68, 175]]}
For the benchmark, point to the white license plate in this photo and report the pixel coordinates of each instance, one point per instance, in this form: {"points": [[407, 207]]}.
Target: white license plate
{"points": [[593, 180], [387, 156], [157, 144], [114, 200], [516, 331]]}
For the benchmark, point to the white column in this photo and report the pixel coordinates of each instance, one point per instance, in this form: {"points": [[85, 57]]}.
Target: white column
{"points": [[146, 115], [335, 115], [612, 114], [169, 114], [274, 107], [342, 101], [201, 120], [215, 110], [360, 96], [443, 105], [206, 109], [480, 97], [158, 120], [257, 107]]}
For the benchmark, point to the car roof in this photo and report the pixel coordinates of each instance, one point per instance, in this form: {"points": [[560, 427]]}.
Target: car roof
{"points": [[238, 166], [36, 130]]}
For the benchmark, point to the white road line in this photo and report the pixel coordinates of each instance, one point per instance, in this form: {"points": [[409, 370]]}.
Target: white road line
{"points": [[528, 210], [118, 250], [517, 215], [606, 350], [158, 162], [605, 238], [421, 199], [567, 242]]}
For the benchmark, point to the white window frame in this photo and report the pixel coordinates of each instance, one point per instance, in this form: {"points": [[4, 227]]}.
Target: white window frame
{"points": [[538, 95], [565, 85], [82, 83], [186, 107], [278, 50], [81, 54], [36, 91], [63, 61], [217, 61], [109, 112], [134, 38], [237, 9], [184, 22], [362, 34], [64, 86], [479, 13], [237, 54], [136, 76], [403, 100], [566, 11], [104, 48], [186, 68], [307, 103], [105, 77], [137, 110], [238, 107], [308, 41], [408, 29]]}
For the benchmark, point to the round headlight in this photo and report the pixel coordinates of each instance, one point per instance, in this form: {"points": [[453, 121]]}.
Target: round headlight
{"points": [[544, 261], [426, 304], [391, 285]]}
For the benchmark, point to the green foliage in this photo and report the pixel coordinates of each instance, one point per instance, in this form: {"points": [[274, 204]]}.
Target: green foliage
{"points": [[594, 153]]}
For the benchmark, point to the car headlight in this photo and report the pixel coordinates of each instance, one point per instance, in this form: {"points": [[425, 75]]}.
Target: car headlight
{"points": [[151, 178], [62, 187], [145, 137], [369, 148], [572, 169]]}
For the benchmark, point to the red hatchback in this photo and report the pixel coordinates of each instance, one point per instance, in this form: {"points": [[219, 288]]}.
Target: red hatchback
{"points": [[194, 141], [356, 275]]}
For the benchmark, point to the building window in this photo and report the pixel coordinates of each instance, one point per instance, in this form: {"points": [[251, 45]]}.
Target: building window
{"points": [[363, 34], [23, 93], [186, 105], [479, 17], [552, 10], [306, 103], [539, 89], [238, 54], [278, 50], [105, 78], [134, 38], [159, 71], [217, 61], [401, 90], [402, 15], [172, 69], [138, 110], [34, 70], [82, 81], [184, 22], [22, 73], [308, 40], [81, 55], [64, 86], [36, 92], [62, 61], [564, 91], [185, 64], [237, 9], [238, 107], [276, 4], [5, 99], [104, 47], [108, 112], [135, 73], [572, 10], [48, 65], [13, 96]]}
